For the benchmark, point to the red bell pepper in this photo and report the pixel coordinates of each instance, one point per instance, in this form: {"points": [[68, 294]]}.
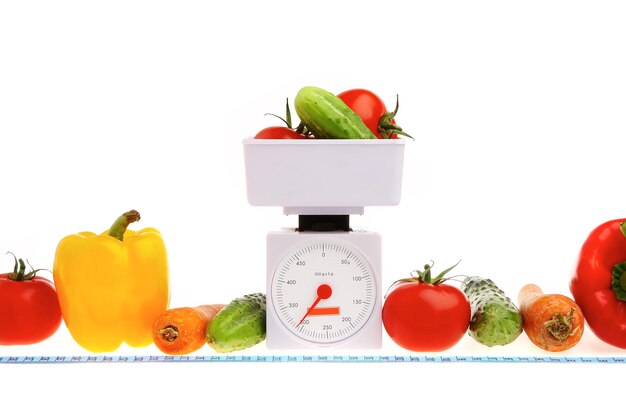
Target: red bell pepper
{"points": [[599, 282]]}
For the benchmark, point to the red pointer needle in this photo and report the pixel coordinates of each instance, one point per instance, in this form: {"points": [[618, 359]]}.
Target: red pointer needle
{"points": [[323, 292]]}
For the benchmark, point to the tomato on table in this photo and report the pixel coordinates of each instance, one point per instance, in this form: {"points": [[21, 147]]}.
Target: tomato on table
{"points": [[424, 314], [29, 307]]}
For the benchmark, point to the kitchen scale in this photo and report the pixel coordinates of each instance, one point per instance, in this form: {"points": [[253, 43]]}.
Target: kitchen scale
{"points": [[324, 279]]}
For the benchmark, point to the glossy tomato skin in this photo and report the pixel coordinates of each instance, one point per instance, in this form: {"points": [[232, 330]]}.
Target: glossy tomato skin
{"points": [[424, 317], [29, 310], [368, 106], [278, 132]]}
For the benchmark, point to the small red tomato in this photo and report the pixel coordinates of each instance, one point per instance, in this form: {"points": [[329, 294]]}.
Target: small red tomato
{"points": [[423, 314], [279, 132], [29, 307], [373, 112]]}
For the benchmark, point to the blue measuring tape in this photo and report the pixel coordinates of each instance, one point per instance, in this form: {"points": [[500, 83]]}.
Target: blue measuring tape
{"points": [[303, 359]]}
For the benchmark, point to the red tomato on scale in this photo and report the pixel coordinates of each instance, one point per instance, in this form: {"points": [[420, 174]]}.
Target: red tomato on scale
{"points": [[423, 314], [373, 112], [278, 132], [29, 307]]}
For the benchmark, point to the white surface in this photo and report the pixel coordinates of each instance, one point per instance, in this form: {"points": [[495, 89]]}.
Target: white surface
{"points": [[518, 113], [322, 256], [308, 173]]}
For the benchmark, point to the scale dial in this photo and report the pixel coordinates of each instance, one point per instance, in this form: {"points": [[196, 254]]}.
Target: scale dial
{"points": [[324, 291]]}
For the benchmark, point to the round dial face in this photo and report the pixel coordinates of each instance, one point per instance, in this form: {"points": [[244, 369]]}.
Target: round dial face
{"points": [[324, 291]]}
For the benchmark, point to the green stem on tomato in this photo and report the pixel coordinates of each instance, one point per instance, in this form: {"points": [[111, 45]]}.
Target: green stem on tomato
{"points": [[427, 273], [19, 270], [287, 119], [120, 225], [385, 126]]}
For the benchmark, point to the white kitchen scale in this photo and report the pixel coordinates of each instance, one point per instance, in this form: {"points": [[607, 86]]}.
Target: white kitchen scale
{"points": [[324, 279]]}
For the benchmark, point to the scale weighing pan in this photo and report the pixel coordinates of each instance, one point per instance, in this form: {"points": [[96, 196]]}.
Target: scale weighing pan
{"points": [[323, 176]]}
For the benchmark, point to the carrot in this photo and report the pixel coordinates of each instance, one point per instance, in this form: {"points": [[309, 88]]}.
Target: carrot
{"points": [[183, 330], [553, 322]]}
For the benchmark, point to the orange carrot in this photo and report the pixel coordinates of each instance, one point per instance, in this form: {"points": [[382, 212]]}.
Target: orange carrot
{"points": [[553, 322], [183, 330]]}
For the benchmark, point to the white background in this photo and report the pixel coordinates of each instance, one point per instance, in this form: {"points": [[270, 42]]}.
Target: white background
{"points": [[518, 113]]}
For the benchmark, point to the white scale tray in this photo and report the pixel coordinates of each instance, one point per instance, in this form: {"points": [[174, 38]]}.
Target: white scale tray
{"points": [[323, 176]]}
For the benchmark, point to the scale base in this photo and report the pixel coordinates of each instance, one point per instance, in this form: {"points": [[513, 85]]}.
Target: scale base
{"points": [[279, 245]]}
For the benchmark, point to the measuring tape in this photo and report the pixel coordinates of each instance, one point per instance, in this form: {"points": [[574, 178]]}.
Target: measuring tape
{"points": [[302, 359]]}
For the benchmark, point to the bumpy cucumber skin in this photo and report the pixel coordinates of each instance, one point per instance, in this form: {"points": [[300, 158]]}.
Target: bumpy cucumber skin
{"points": [[495, 319], [239, 325], [327, 116]]}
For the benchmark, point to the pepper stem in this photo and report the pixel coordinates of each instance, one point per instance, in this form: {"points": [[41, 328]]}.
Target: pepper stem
{"points": [[120, 225], [560, 326], [618, 281]]}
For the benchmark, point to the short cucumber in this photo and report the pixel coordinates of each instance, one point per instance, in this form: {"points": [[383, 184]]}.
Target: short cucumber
{"points": [[327, 116], [239, 325], [495, 320]]}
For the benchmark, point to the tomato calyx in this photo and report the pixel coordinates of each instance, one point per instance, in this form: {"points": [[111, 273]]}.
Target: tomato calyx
{"points": [[425, 276], [287, 119], [301, 129], [19, 270], [387, 128]]}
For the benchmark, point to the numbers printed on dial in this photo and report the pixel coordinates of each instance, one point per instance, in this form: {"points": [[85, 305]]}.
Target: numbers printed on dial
{"points": [[324, 292]]}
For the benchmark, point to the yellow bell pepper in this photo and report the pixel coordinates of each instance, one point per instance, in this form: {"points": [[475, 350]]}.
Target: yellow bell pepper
{"points": [[112, 286]]}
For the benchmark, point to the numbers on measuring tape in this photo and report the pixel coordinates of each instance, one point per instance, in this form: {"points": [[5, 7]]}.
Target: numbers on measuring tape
{"points": [[308, 358]]}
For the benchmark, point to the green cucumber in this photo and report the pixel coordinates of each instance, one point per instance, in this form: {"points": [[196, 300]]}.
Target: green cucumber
{"points": [[327, 116], [239, 325], [495, 319]]}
